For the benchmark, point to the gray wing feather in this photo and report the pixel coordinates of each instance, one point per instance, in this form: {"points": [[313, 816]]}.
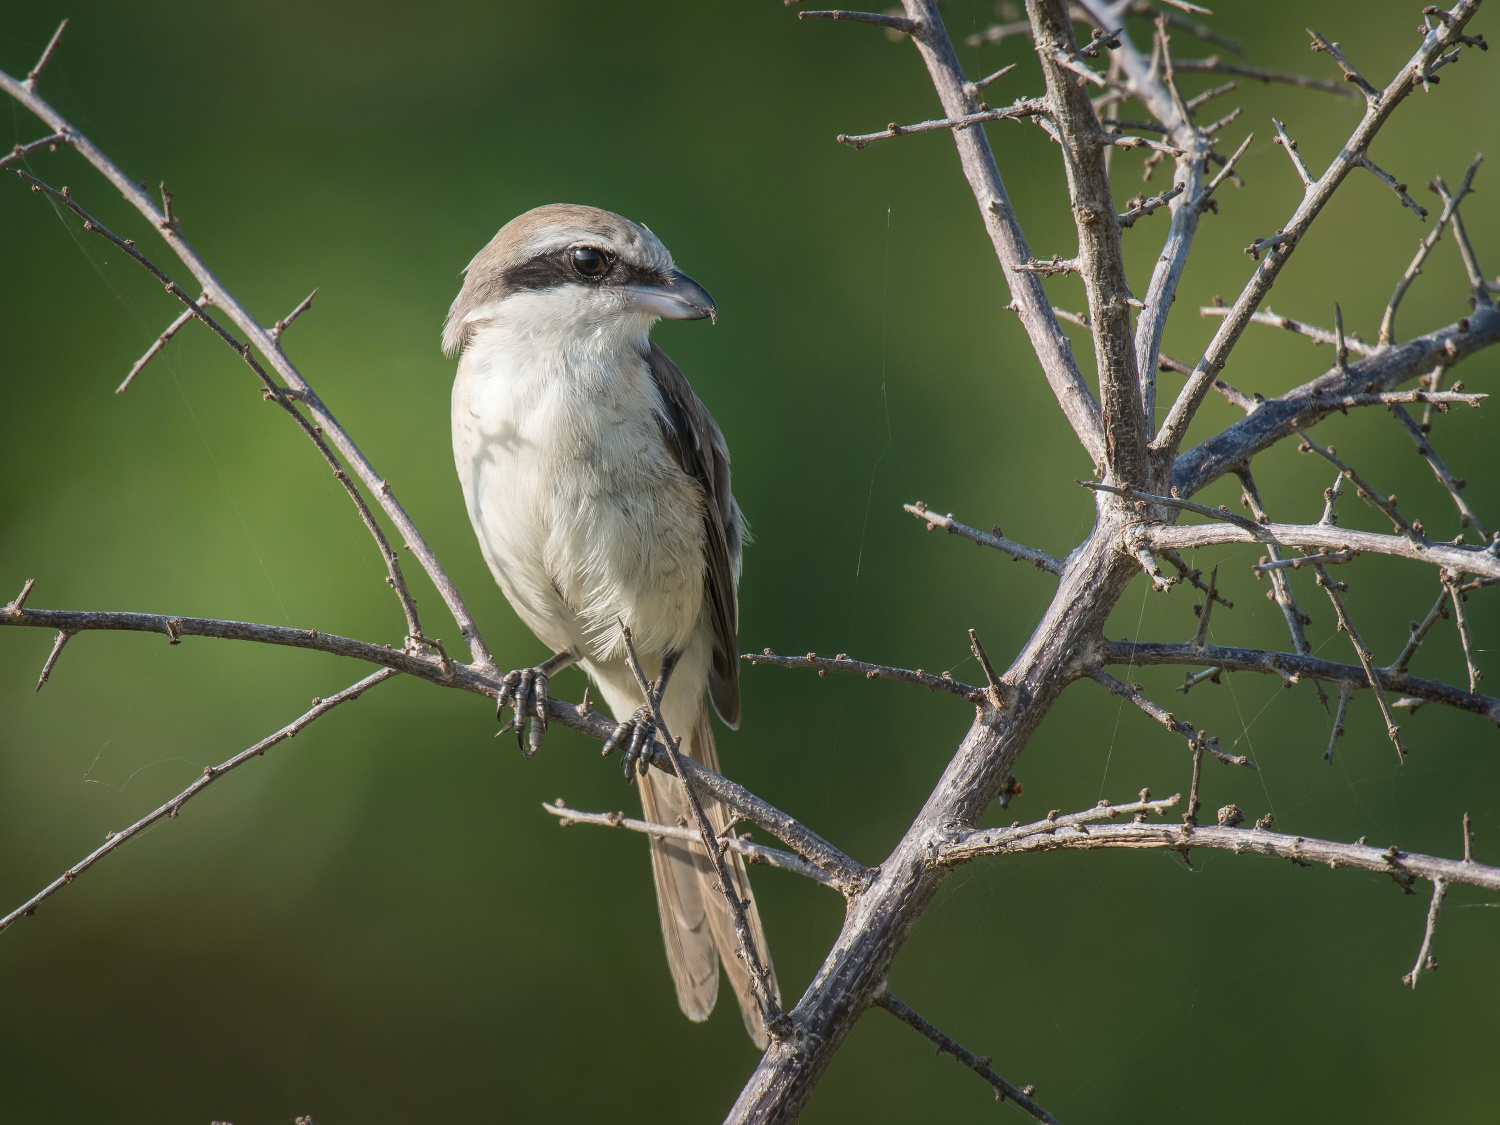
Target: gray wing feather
{"points": [[696, 442]]}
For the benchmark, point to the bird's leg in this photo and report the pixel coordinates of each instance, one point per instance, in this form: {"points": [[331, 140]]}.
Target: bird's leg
{"points": [[524, 691], [637, 732]]}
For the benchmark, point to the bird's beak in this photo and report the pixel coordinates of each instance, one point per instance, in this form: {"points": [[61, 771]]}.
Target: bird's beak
{"points": [[675, 297]]}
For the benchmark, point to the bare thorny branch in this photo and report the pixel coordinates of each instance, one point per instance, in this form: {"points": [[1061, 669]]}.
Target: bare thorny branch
{"points": [[1143, 489]]}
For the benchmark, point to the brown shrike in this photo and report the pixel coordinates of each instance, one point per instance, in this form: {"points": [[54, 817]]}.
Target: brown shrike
{"points": [[598, 486]]}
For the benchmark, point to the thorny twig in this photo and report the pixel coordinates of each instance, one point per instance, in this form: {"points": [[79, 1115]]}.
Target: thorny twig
{"points": [[979, 1064], [210, 774]]}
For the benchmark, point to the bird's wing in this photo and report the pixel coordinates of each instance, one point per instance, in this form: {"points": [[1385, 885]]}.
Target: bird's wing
{"points": [[696, 442]]}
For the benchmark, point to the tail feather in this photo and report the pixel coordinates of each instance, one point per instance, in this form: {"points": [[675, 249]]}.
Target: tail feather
{"points": [[697, 925], [691, 954]]}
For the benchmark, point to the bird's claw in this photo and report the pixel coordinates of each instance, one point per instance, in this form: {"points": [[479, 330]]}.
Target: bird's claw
{"points": [[635, 734], [524, 691]]}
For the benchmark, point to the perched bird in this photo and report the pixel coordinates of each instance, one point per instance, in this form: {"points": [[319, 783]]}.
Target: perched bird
{"points": [[598, 486]]}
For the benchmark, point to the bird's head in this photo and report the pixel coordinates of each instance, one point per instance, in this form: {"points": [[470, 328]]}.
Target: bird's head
{"points": [[566, 267]]}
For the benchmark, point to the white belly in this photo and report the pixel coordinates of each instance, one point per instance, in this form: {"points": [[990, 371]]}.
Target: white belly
{"points": [[584, 517]]}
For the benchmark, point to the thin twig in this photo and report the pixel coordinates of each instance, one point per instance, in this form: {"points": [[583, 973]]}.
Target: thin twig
{"points": [[1299, 327], [1426, 962], [753, 853], [1465, 637], [57, 646], [1465, 248], [186, 316], [1142, 206], [260, 337], [1194, 577], [1424, 248], [841, 663], [41, 63], [1419, 631], [1395, 185], [1346, 692], [995, 691], [1455, 485], [1205, 611], [14, 607], [394, 577], [879, 19], [1196, 740], [1290, 145], [1297, 562], [1212, 65], [1350, 74], [979, 1064], [286, 322], [210, 774], [1018, 552], [1281, 586], [21, 152], [1028, 108], [1298, 666], [1366, 659], [481, 679], [1363, 488]]}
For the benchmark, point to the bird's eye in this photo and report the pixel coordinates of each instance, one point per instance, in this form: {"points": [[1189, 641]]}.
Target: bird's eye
{"points": [[589, 262]]}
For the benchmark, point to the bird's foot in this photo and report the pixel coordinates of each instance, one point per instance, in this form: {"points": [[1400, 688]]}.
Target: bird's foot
{"points": [[524, 691], [635, 735]]}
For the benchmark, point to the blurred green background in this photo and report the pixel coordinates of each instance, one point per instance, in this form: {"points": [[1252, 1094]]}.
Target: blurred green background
{"points": [[376, 922]]}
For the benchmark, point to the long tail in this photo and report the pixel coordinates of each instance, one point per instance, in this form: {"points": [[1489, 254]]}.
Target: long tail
{"points": [[695, 920]]}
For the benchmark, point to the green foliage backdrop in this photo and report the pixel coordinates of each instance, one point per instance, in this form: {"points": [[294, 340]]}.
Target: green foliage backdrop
{"points": [[377, 923]]}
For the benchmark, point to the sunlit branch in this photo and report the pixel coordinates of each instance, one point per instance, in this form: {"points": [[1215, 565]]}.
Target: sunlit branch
{"points": [[1285, 665], [1404, 867]]}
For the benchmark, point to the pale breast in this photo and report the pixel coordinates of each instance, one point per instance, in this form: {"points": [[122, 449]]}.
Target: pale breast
{"points": [[584, 517]]}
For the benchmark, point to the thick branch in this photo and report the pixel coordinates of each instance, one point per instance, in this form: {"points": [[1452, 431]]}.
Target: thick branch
{"points": [[1100, 260], [1048, 340], [1155, 87]]}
